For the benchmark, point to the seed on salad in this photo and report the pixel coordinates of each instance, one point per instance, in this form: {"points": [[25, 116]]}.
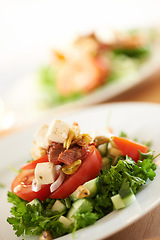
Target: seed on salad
{"points": [[82, 192], [45, 236], [101, 140], [72, 168]]}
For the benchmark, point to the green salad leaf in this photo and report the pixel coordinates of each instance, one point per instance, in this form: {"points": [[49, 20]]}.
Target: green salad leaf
{"points": [[47, 86], [33, 219]]}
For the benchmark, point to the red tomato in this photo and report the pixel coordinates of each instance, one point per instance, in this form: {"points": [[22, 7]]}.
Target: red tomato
{"points": [[88, 170], [32, 164], [24, 179], [129, 147]]}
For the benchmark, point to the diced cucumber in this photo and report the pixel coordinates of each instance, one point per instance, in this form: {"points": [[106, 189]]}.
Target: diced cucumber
{"points": [[74, 196], [117, 202], [123, 199], [58, 206], [70, 214], [129, 199], [34, 202], [124, 192], [90, 185], [81, 206], [103, 149], [65, 221], [127, 196]]}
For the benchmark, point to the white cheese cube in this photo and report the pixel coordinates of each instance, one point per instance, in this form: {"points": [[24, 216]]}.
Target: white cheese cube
{"points": [[58, 131], [40, 137], [45, 173]]}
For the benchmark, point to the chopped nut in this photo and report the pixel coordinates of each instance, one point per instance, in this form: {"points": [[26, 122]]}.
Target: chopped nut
{"points": [[82, 192], [77, 140], [101, 140], [45, 236], [69, 139], [72, 168], [86, 139], [73, 134], [74, 137]]}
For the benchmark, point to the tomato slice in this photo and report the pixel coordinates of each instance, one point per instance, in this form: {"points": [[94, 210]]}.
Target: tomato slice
{"points": [[32, 164], [24, 182], [88, 170], [129, 147]]}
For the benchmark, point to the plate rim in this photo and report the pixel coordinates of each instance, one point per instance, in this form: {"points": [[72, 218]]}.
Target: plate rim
{"points": [[116, 104]]}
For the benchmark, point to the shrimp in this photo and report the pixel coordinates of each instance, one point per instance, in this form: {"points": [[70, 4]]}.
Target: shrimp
{"points": [[82, 69]]}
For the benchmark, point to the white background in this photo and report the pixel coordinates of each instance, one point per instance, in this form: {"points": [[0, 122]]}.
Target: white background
{"points": [[30, 28]]}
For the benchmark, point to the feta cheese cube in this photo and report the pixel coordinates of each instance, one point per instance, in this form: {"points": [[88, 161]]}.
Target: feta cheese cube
{"points": [[45, 173], [58, 131], [40, 137]]}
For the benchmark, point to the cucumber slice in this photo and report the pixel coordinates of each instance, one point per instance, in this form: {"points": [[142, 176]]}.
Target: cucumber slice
{"points": [[124, 192], [65, 221], [129, 199], [117, 202], [73, 196], [58, 206], [123, 199], [127, 196], [81, 206], [91, 186], [34, 202], [70, 214]]}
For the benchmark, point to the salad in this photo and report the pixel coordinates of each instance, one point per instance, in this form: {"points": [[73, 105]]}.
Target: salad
{"points": [[90, 63], [73, 179]]}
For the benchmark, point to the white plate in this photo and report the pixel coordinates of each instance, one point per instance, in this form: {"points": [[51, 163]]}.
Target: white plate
{"points": [[137, 119], [25, 92]]}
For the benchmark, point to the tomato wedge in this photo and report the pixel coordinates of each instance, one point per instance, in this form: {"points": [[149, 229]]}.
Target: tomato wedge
{"points": [[24, 182], [32, 164], [129, 147], [88, 170]]}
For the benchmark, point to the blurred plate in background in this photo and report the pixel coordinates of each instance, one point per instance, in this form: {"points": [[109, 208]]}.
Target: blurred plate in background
{"points": [[23, 97]]}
